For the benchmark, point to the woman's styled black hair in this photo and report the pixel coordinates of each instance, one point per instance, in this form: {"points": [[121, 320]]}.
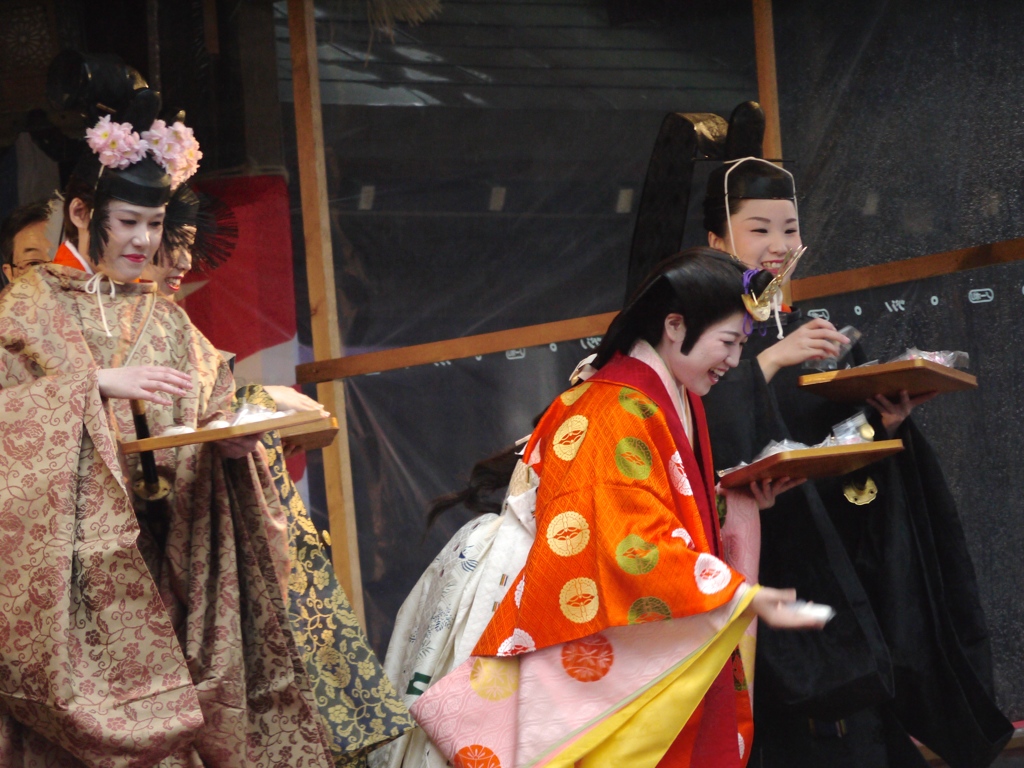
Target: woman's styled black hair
{"points": [[202, 224], [85, 190], [84, 83], [703, 285], [486, 488], [144, 184], [751, 179]]}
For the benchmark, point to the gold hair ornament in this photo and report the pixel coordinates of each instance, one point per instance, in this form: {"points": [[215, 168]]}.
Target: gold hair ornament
{"points": [[760, 307]]}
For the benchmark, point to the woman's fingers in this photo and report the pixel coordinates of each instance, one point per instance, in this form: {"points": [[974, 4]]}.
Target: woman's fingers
{"points": [[766, 491], [818, 323], [141, 382], [916, 401], [175, 379], [762, 493], [823, 348], [774, 607], [152, 397], [784, 484], [238, 447], [881, 402], [288, 399]]}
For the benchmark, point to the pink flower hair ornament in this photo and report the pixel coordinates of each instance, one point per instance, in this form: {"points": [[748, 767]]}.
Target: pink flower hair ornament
{"points": [[175, 148], [117, 145]]}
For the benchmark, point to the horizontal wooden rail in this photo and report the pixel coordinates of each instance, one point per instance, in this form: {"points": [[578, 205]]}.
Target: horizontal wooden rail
{"points": [[908, 269], [595, 325], [454, 349]]}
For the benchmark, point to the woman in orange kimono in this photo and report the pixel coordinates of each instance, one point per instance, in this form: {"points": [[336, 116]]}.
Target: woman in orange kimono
{"points": [[579, 664]]}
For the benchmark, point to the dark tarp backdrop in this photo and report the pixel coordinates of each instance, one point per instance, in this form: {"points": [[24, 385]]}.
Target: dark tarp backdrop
{"points": [[485, 170], [905, 123]]}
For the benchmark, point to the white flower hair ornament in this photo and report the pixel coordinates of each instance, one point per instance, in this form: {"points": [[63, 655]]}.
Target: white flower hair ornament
{"points": [[118, 145]]}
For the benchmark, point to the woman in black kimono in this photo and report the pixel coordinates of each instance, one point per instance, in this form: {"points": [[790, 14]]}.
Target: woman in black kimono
{"points": [[908, 653]]}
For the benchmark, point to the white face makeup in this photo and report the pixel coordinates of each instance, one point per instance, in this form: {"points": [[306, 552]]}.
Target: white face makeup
{"points": [[763, 231], [169, 273], [715, 353], [133, 236]]}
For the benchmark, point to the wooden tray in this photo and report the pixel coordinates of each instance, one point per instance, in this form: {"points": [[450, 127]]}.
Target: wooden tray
{"points": [[855, 385], [311, 436], [813, 462], [209, 435]]}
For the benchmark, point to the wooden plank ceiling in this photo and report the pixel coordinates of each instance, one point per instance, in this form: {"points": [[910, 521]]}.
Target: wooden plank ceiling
{"points": [[531, 54]]}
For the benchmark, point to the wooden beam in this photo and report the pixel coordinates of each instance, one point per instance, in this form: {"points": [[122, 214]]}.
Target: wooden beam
{"points": [[316, 228], [767, 83], [254, 30], [153, 44], [453, 349], [595, 325], [211, 28], [768, 92], [908, 269]]}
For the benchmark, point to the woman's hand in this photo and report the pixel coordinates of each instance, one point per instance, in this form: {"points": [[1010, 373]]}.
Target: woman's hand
{"points": [[288, 399], [894, 414], [238, 447], [815, 340], [144, 382], [766, 491], [772, 607]]}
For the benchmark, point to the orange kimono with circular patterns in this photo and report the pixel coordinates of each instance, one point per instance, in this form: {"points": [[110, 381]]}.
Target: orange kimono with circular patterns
{"points": [[627, 531]]}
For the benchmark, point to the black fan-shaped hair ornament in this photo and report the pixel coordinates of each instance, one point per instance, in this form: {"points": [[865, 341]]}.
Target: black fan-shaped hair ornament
{"points": [[204, 224]]}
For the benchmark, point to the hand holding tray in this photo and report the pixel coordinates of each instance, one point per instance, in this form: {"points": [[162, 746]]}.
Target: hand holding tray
{"points": [[918, 377], [311, 435], [210, 435], [812, 462]]}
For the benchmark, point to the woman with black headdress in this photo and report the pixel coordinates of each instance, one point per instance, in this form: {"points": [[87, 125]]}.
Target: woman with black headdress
{"points": [[359, 707], [118, 647], [907, 652]]}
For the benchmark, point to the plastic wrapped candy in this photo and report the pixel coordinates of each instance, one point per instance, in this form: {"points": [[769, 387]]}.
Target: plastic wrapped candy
{"points": [[851, 431], [833, 363], [249, 413], [954, 359]]}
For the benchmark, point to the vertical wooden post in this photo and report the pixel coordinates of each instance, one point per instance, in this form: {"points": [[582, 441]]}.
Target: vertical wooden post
{"points": [[153, 44], [768, 91], [316, 228], [211, 29], [767, 85]]}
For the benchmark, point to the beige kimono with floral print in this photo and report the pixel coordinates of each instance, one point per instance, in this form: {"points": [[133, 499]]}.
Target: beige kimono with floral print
{"points": [[114, 653]]}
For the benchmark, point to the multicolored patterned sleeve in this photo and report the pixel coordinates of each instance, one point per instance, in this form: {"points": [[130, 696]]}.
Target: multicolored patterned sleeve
{"points": [[619, 534]]}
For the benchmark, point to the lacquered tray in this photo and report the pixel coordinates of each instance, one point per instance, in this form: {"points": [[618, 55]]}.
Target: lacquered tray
{"points": [[312, 436], [813, 462], [855, 385], [210, 435]]}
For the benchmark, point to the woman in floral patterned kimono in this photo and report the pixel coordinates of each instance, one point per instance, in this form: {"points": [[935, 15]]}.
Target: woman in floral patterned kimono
{"points": [[578, 664], [357, 703], [116, 650]]}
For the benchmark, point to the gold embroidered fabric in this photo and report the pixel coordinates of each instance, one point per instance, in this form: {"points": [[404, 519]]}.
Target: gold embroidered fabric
{"points": [[357, 702], [114, 651]]}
